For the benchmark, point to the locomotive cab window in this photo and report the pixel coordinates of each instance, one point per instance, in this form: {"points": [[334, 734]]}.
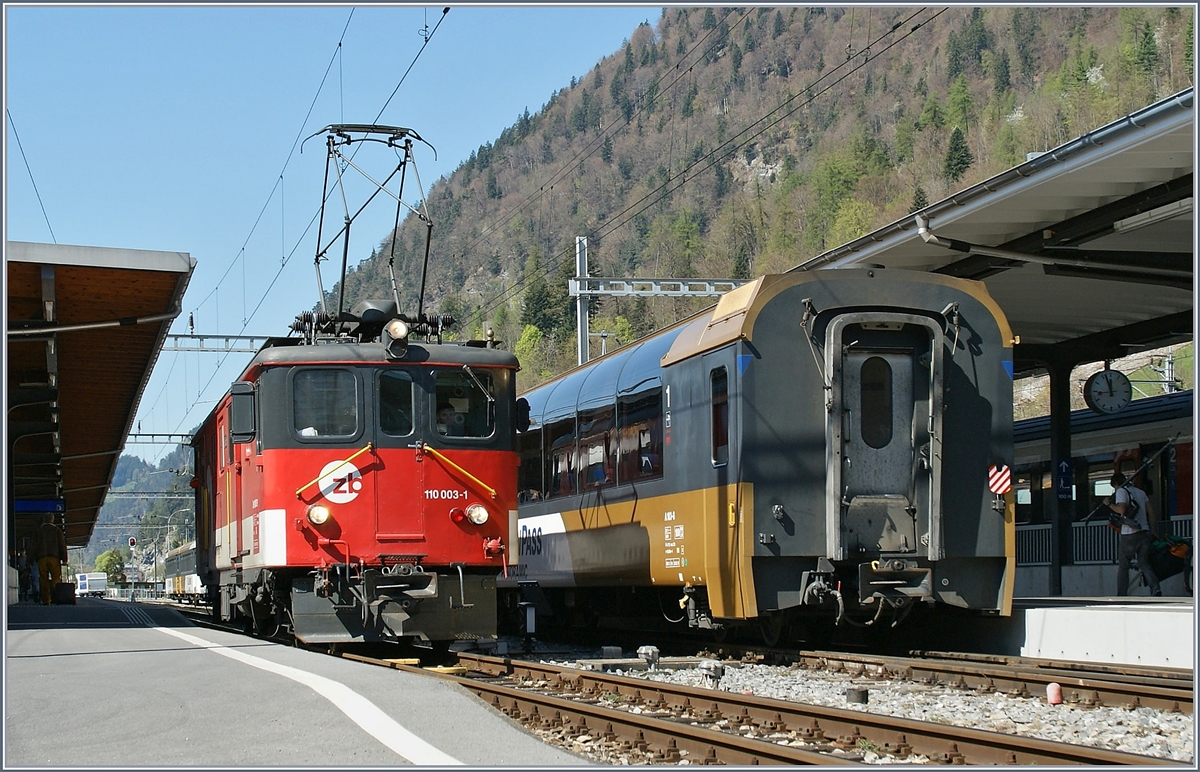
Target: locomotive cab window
{"points": [[466, 403], [396, 403], [325, 403], [719, 382]]}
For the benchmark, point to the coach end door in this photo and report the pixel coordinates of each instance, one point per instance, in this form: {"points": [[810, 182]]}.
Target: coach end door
{"points": [[885, 373]]}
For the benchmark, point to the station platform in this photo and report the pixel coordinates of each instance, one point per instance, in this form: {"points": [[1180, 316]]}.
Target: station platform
{"points": [[1158, 632], [1145, 631], [120, 685]]}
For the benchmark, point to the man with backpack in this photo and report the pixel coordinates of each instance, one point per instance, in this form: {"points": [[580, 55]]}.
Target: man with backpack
{"points": [[1131, 510]]}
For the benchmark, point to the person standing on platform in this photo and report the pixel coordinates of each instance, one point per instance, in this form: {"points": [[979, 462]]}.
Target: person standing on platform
{"points": [[51, 549], [1132, 508]]}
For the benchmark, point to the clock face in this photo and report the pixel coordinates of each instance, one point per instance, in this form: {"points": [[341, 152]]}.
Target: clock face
{"points": [[1108, 392]]}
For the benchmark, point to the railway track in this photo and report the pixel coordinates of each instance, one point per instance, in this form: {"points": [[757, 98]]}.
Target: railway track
{"points": [[668, 722], [1084, 684], [660, 723], [1124, 687]]}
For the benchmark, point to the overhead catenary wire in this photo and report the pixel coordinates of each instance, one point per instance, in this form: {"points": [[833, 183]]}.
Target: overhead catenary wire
{"points": [[591, 148], [284, 262], [30, 170], [253, 228], [741, 139]]}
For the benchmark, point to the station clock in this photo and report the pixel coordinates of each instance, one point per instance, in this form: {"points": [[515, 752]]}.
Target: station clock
{"points": [[1108, 392]]}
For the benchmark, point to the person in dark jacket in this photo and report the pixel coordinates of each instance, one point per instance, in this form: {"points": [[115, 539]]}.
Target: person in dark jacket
{"points": [[50, 546]]}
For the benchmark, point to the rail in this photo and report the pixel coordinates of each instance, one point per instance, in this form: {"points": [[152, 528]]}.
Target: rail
{"points": [[684, 708]]}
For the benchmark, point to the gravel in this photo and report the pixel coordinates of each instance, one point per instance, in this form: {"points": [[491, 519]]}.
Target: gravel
{"points": [[1142, 730]]}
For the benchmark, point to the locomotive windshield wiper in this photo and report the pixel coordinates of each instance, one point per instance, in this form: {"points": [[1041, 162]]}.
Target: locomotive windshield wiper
{"points": [[478, 383]]}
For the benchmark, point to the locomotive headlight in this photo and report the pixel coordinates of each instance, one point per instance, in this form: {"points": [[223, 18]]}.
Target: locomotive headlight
{"points": [[395, 338], [477, 514], [318, 514]]}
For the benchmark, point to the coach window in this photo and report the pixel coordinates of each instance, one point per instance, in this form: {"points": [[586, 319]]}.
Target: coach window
{"points": [[325, 403], [719, 383], [470, 395], [597, 448], [396, 403], [640, 436], [560, 458], [875, 402]]}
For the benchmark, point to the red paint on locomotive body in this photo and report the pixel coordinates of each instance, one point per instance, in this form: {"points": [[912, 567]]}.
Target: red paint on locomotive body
{"points": [[282, 508]]}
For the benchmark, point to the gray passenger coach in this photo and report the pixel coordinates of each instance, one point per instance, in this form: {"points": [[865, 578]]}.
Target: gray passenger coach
{"points": [[834, 443]]}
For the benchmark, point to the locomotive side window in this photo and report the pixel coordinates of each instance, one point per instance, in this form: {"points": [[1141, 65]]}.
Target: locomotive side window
{"points": [[325, 403], [876, 402], [465, 403], [640, 436], [720, 416], [396, 402]]}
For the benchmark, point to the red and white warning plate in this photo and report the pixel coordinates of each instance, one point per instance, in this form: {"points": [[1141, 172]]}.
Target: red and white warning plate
{"points": [[999, 478]]}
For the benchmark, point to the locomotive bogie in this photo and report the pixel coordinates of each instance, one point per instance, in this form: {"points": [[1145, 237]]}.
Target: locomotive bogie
{"points": [[812, 438]]}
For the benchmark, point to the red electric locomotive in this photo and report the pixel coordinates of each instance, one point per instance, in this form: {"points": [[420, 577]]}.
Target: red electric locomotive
{"points": [[357, 484], [360, 487]]}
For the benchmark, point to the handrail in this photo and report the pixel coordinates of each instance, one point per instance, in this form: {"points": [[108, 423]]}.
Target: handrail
{"points": [[427, 449], [309, 484]]}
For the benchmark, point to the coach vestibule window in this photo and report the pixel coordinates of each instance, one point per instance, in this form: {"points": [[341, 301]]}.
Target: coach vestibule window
{"points": [[720, 416], [325, 403], [876, 402], [396, 403], [529, 476]]}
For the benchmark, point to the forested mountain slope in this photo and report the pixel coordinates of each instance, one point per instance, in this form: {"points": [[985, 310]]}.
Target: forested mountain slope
{"points": [[731, 142]]}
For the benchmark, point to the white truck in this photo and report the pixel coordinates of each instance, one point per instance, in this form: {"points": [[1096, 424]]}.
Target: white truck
{"points": [[91, 584]]}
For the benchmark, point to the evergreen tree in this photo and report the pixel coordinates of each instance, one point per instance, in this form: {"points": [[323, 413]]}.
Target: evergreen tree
{"points": [[779, 25], [1001, 77], [960, 107], [932, 114], [537, 305], [958, 156], [606, 150], [1146, 57], [1189, 43], [920, 200]]}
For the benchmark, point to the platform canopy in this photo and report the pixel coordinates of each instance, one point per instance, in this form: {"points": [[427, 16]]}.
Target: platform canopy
{"points": [[85, 326], [1089, 248]]}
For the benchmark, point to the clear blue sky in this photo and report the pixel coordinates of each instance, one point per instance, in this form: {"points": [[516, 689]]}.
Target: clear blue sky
{"points": [[167, 128]]}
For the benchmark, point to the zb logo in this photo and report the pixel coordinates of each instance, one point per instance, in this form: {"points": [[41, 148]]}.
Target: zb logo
{"points": [[340, 482], [531, 540]]}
